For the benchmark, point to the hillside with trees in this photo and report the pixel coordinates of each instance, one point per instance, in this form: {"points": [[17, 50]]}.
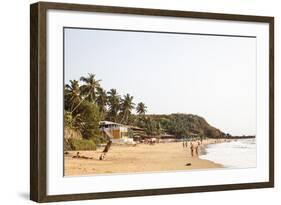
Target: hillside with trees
{"points": [[180, 125]]}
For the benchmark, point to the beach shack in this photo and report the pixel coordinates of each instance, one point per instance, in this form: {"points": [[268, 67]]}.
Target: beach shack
{"points": [[115, 131], [137, 132]]}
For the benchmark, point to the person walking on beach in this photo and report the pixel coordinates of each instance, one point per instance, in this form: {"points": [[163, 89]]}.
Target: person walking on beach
{"points": [[197, 149], [191, 148]]}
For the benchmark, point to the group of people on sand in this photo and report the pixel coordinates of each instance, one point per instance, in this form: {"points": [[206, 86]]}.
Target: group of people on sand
{"points": [[194, 146]]}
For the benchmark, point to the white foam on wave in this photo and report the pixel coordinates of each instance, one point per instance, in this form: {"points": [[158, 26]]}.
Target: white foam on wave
{"points": [[234, 154]]}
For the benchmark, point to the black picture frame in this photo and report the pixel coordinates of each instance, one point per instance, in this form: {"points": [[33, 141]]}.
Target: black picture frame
{"points": [[38, 102]]}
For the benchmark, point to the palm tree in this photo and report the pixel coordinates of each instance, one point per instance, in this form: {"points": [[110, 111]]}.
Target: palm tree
{"points": [[72, 94], [101, 99], [114, 104], [89, 89], [126, 107], [141, 108]]}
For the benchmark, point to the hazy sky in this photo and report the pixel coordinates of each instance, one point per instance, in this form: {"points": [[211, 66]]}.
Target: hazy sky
{"points": [[210, 76]]}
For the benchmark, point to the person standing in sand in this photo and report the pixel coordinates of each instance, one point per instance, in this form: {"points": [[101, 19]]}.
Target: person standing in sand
{"points": [[184, 142], [191, 148], [197, 148]]}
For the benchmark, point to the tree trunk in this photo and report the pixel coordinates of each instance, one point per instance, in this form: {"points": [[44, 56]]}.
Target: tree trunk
{"points": [[105, 150]]}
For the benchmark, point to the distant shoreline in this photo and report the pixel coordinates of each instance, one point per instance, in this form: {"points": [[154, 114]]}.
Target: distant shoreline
{"points": [[242, 137]]}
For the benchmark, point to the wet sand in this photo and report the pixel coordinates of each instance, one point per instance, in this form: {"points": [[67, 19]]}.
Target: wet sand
{"points": [[140, 158]]}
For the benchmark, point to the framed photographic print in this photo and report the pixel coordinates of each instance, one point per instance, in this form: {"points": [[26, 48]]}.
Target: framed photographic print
{"points": [[135, 102]]}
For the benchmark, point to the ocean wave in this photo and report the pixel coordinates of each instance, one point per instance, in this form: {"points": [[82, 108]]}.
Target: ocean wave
{"points": [[235, 154]]}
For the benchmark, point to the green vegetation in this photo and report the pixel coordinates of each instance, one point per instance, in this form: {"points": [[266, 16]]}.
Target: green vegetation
{"points": [[79, 144], [86, 103], [141, 108], [114, 105], [126, 108]]}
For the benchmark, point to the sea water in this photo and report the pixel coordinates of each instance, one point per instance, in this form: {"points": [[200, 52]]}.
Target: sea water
{"points": [[234, 154]]}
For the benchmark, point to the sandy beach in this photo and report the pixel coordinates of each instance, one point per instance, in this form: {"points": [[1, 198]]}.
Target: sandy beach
{"points": [[139, 158]]}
